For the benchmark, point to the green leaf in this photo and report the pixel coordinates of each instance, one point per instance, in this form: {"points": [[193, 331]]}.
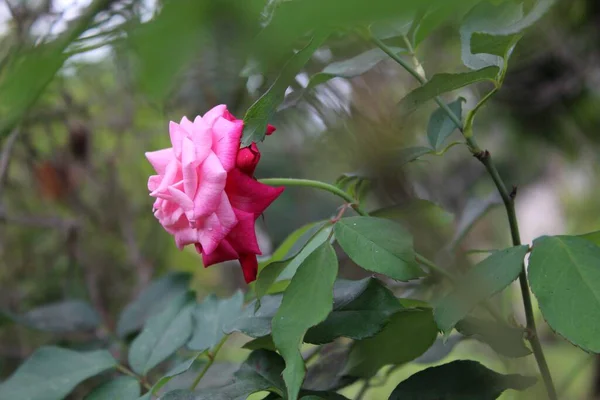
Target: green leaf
{"points": [[473, 211], [408, 335], [443, 83], [294, 243], [179, 394], [61, 317], [265, 342], [438, 14], [439, 350], [485, 279], [177, 370], [163, 334], [506, 340], [378, 245], [593, 237], [150, 301], [122, 388], [255, 321], [51, 373], [259, 114], [360, 310], [306, 302], [410, 154], [326, 372], [261, 371], [459, 380], [564, 275], [286, 267], [210, 317], [441, 126]]}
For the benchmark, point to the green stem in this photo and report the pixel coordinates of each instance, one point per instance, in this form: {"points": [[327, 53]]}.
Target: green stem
{"points": [[132, 374], [317, 185], [363, 390], [211, 359], [508, 199]]}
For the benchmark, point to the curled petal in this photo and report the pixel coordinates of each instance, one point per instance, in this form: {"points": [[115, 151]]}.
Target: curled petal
{"points": [[171, 174], [243, 236], [160, 159], [224, 252], [210, 186], [226, 141], [247, 194], [211, 115], [185, 236], [249, 267], [188, 166], [177, 136], [248, 158], [186, 126], [154, 182], [181, 199], [270, 129]]}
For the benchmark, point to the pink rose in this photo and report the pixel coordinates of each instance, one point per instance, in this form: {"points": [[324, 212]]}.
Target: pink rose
{"points": [[205, 191]]}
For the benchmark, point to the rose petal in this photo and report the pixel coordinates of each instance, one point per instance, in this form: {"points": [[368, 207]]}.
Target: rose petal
{"points": [[249, 265], [188, 166], [211, 115], [171, 174], [181, 199], [247, 194], [202, 138], [160, 159], [177, 135], [270, 129], [248, 158], [243, 236], [210, 186], [226, 141], [187, 127], [224, 252], [154, 182], [186, 236]]}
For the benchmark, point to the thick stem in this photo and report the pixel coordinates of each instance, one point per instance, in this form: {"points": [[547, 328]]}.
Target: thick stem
{"points": [[508, 199], [211, 359]]}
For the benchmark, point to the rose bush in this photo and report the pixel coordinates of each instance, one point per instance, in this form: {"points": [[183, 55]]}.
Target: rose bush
{"points": [[205, 190]]}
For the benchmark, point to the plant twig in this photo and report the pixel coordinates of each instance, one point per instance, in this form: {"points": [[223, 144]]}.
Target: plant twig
{"points": [[132, 374], [211, 359]]}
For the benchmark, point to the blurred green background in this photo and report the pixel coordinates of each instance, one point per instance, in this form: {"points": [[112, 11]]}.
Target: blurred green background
{"points": [[86, 87]]}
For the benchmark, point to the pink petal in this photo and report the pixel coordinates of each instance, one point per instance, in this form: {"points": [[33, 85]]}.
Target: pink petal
{"points": [[211, 233], [168, 179], [224, 252], [211, 184], [243, 236], [249, 267], [185, 236], [226, 141], [187, 126], [177, 135], [211, 115], [202, 138], [181, 199], [154, 182], [188, 167], [160, 159], [247, 194]]}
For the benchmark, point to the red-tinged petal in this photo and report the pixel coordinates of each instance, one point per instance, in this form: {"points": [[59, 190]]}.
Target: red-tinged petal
{"points": [[270, 129], [248, 158], [202, 139], [211, 115], [243, 236], [211, 184], [177, 135], [226, 141], [224, 252], [160, 159], [249, 267], [188, 167], [247, 194]]}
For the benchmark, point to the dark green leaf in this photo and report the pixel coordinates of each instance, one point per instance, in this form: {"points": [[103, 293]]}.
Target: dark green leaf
{"points": [[177, 370], [360, 310], [485, 279], [51, 373], [265, 342], [443, 83], [378, 245], [151, 300], [62, 317], [287, 266], [564, 275], [316, 395], [459, 380], [506, 340], [294, 243], [261, 371], [593, 237], [408, 335], [440, 350], [121, 388], [441, 126], [179, 394], [163, 334], [306, 302], [258, 115], [210, 317], [255, 322], [326, 372]]}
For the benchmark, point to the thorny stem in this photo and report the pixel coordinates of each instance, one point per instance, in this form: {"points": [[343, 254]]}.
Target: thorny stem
{"points": [[211, 359], [129, 372], [508, 199]]}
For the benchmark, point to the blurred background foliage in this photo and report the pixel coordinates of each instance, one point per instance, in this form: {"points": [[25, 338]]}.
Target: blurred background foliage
{"points": [[86, 87]]}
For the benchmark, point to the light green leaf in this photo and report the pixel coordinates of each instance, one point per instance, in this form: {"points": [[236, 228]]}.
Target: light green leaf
{"points": [[163, 334], [508, 341], [121, 388], [306, 302], [459, 380], [210, 317], [260, 372], [564, 274], [61, 317], [408, 335], [151, 300], [443, 83], [441, 126], [378, 245], [293, 243], [51, 373], [259, 114], [485, 279], [593, 237]]}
